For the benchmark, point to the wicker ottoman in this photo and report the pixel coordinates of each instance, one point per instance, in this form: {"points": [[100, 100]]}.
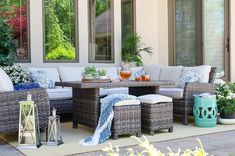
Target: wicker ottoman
{"points": [[156, 113], [127, 118]]}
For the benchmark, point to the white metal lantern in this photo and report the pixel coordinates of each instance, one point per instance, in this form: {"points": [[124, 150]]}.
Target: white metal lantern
{"points": [[29, 134], [54, 130]]}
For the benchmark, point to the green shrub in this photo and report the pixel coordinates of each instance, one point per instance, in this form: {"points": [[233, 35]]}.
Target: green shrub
{"points": [[225, 95], [61, 53], [7, 49], [17, 74]]}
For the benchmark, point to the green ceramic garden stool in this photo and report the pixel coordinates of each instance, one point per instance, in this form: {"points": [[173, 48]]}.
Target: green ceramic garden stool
{"points": [[205, 111]]}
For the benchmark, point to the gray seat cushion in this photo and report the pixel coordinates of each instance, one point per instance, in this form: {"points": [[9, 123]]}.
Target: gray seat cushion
{"points": [[175, 93], [59, 94]]}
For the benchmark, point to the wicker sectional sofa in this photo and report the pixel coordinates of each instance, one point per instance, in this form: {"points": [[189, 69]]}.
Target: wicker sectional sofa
{"points": [[9, 108]]}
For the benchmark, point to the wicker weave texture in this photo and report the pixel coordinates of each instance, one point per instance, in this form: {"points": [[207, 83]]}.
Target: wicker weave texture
{"points": [[86, 107], [9, 108], [185, 106], [127, 120], [212, 74], [79, 84], [62, 106], [157, 116], [86, 100]]}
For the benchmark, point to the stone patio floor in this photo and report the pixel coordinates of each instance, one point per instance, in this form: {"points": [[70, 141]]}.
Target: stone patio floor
{"points": [[217, 144]]}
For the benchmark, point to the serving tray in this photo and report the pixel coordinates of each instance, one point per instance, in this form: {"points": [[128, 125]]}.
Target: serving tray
{"points": [[96, 80]]}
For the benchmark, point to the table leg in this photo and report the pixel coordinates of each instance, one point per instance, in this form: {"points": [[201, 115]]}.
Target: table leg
{"points": [[86, 106], [138, 91]]}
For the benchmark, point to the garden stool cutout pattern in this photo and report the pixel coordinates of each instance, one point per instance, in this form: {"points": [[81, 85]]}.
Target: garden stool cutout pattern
{"points": [[205, 111], [156, 113], [127, 118], [29, 134]]}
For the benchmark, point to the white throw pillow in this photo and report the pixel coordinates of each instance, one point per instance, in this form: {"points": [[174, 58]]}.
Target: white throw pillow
{"points": [[5, 82], [204, 70], [71, 73], [171, 73]]}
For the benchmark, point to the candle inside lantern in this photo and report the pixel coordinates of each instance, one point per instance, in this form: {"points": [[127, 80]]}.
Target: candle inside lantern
{"points": [[54, 112], [29, 97]]}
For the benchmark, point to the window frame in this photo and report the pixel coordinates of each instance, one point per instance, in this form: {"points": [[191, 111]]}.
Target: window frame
{"points": [[28, 36], [90, 60], [76, 36]]}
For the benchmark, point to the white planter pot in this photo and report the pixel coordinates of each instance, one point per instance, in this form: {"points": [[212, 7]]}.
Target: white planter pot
{"points": [[226, 121], [103, 77]]}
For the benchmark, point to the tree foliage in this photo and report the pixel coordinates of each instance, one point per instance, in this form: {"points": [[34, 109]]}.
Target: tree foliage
{"points": [[102, 6], [60, 30], [15, 13], [7, 48]]}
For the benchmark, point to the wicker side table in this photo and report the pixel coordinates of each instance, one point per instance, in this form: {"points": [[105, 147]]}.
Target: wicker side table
{"points": [[127, 120], [156, 115]]}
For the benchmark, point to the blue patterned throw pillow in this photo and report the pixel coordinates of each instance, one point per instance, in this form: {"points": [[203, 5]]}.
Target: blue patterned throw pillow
{"points": [[136, 72], [41, 77], [190, 76]]}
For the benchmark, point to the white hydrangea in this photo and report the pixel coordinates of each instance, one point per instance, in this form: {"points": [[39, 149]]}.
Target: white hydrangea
{"points": [[17, 74]]}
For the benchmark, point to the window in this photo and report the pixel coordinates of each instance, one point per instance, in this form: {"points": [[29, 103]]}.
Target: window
{"points": [[185, 31], [60, 27], [101, 31], [199, 33], [214, 34], [15, 14], [127, 18]]}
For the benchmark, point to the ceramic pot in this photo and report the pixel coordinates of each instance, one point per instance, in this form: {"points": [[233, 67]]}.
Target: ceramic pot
{"points": [[103, 77], [230, 116], [227, 119]]}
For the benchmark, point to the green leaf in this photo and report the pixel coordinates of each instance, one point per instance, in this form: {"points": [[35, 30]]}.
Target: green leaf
{"points": [[132, 49]]}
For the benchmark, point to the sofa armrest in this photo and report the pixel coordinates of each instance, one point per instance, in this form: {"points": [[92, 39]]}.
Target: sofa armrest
{"points": [[191, 89], [9, 108]]}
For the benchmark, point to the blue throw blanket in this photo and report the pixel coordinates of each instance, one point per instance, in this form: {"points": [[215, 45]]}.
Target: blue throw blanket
{"points": [[103, 129]]}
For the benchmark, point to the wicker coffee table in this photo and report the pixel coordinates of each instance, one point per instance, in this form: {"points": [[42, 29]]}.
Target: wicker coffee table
{"points": [[86, 97]]}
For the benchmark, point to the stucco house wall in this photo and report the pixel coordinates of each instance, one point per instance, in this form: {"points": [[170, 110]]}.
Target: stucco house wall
{"points": [[151, 24]]}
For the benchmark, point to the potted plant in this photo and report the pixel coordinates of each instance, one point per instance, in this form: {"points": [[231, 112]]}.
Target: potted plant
{"points": [[102, 73], [132, 48], [225, 95], [90, 72], [17, 74]]}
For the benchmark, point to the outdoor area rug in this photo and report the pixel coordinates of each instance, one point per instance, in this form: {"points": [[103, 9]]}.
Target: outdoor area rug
{"points": [[72, 136]]}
